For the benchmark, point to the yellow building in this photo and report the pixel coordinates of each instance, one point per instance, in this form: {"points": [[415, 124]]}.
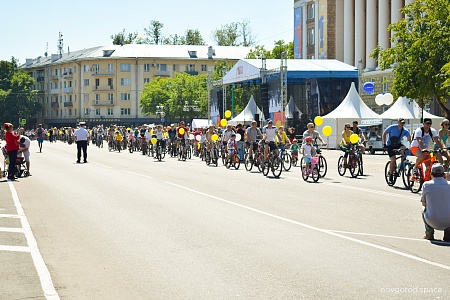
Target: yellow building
{"points": [[103, 85]]}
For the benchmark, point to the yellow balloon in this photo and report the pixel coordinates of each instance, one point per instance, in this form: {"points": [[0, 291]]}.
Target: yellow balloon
{"points": [[214, 137], [153, 140], [354, 138], [278, 123], [327, 130], [318, 120], [227, 114], [181, 131], [223, 122]]}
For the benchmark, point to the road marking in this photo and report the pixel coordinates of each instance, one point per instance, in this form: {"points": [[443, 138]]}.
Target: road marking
{"points": [[103, 165], [139, 174], [380, 235], [9, 216], [41, 268], [17, 230], [429, 262], [14, 248]]}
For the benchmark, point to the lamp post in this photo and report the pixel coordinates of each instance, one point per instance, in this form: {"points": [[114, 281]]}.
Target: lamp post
{"points": [[161, 113], [189, 108]]}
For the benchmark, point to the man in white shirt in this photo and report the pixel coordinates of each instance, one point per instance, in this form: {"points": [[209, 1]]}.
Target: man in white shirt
{"points": [[82, 138], [269, 133], [423, 140], [24, 144]]}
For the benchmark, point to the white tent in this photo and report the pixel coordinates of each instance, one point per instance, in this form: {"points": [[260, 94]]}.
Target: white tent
{"points": [[200, 123], [409, 110], [352, 108], [248, 114], [291, 108]]}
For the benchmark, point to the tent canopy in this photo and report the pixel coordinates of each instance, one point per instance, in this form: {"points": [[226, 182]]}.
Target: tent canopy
{"points": [[200, 123], [407, 109], [248, 114]]}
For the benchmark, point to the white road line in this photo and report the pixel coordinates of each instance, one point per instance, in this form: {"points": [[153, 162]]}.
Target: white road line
{"points": [[380, 235], [41, 268], [9, 216], [318, 229], [138, 174], [103, 165], [16, 230], [14, 248]]}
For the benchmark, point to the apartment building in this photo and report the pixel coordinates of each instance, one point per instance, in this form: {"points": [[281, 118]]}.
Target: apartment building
{"points": [[102, 85]]}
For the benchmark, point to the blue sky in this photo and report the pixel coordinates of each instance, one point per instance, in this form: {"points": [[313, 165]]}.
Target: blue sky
{"points": [[27, 25]]}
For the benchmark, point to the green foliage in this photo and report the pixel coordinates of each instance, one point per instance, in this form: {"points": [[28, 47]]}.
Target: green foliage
{"points": [[421, 52], [234, 34], [279, 47], [16, 93], [154, 33], [123, 39]]}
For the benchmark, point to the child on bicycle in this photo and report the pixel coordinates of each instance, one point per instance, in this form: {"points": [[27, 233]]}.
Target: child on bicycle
{"points": [[294, 148], [308, 150], [231, 145]]}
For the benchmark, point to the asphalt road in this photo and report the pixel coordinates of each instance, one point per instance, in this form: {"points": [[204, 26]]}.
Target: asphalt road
{"points": [[125, 226]]}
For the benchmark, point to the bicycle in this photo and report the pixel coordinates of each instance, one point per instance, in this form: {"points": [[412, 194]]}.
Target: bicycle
{"points": [[144, 147], [257, 159], [233, 160], [415, 181], [274, 163], [182, 150], [285, 157], [212, 155], [401, 169], [160, 153], [322, 163], [313, 169], [353, 162]]}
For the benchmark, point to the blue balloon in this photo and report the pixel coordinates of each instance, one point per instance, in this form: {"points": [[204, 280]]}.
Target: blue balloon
{"points": [[369, 87]]}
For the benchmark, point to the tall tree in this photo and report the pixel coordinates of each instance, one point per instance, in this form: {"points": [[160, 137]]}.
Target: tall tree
{"points": [[193, 37], [280, 47], [123, 39], [248, 39], [420, 52], [17, 97], [154, 33], [234, 34]]}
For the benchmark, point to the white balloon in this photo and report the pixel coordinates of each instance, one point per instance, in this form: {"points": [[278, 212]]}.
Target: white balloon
{"points": [[198, 138], [238, 136], [388, 98], [379, 100], [191, 136]]}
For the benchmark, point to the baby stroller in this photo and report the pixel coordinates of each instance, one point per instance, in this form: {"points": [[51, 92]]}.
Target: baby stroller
{"points": [[21, 168]]}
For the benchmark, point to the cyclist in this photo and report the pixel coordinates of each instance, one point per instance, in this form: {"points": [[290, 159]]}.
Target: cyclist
{"points": [[423, 137], [240, 129], [358, 131], [231, 145], [294, 148], [100, 133], [345, 142], [269, 133], [182, 137], [312, 132], [226, 135], [160, 137], [443, 136], [308, 150], [251, 136], [40, 136], [119, 138], [394, 141]]}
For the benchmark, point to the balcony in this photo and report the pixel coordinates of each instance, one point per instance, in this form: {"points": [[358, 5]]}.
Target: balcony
{"points": [[40, 79], [100, 88], [192, 72], [101, 73], [54, 77], [68, 90], [54, 91], [41, 92], [162, 73], [100, 103], [68, 104], [54, 105], [67, 75]]}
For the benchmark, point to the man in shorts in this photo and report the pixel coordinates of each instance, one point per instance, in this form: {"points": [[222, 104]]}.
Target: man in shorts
{"points": [[40, 136], [423, 141], [392, 140]]}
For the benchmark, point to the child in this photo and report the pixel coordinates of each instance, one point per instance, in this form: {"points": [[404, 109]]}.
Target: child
{"points": [[308, 150], [231, 145], [294, 148]]}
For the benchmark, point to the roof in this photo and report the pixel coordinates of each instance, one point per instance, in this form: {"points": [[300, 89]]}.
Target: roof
{"points": [[248, 69], [406, 108], [145, 51]]}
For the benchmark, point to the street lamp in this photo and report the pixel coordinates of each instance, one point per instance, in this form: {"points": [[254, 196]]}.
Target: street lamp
{"points": [[160, 112]]}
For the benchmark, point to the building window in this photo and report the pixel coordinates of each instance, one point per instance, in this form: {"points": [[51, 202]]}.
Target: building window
{"points": [[97, 98], [146, 80], [111, 98], [311, 11], [110, 68], [311, 37], [125, 67], [57, 113], [146, 67], [110, 81], [125, 111], [190, 68], [110, 111], [75, 112], [125, 96], [174, 67], [95, 68], [86, 82], [70, 112], [74, 69], [97, 111], [86, 111], [86, 68], [124, 81], [385, 84], [75, 98], [163, 68], [204, 68], [86, 97]]}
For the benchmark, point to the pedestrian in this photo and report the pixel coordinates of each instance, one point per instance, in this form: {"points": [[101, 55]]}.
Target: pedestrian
{"points": [[40, 136], [436, 200], [24, 148], [12, 147], [82, 139]]}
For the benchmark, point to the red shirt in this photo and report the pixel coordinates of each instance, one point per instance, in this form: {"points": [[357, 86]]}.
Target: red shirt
{"points": [[12, 141], [180, 136]]}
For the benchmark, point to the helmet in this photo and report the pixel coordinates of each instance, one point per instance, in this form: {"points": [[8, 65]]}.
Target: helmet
{"points": [[308, 139], [181, 122]]}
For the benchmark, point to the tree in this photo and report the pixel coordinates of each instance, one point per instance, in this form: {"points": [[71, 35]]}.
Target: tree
{"points": [[123, 39], [259, 53], [248, 39], [420, 53], [234, 34], [154, 33], [193, 37], [17, 97], [280, 47]]}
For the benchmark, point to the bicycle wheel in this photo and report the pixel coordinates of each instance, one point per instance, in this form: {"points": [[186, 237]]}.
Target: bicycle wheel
{"points": [[158, 153], [315, 175], [294, 161], [415, 181], [265, 168], [189, 152], [224, 157], [259, 162], [353, 166], [277, 167], [305, 173], [162, 153], [387, 172], [237, 161], [360, 165], [407, 166], [248, 163], [130, 148], [110, 146], [228, 163], [322, 166], [341, 168], [287, 161]]}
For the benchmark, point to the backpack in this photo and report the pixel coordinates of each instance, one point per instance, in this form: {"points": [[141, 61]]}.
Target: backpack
{"points": [[423, 132]]}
